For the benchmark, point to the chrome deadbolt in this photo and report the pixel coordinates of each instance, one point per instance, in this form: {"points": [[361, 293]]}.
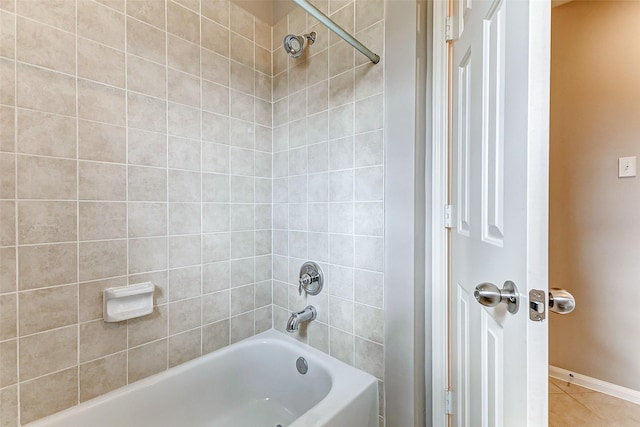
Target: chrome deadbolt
{"points": [[489, 295]]}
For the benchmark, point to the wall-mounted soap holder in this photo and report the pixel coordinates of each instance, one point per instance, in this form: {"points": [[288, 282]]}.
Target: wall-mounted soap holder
{"points": [[127, 302]]}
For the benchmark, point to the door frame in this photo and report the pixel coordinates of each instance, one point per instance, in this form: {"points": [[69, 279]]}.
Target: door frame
{"points": [[439, 184]]}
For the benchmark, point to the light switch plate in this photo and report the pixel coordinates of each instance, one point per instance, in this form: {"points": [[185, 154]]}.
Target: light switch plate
{"points": [[626, 167]]}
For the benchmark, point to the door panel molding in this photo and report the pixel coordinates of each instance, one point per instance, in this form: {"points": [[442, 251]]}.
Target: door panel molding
{"points": [[492, 344], [493, 84], [463, 138], [463, 387]]}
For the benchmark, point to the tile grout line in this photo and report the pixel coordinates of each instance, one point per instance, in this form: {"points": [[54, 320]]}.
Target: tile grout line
{"points": [[571, 395], [272, 136], [255, 107], [202, 203], [167, 177], [353, 190], [383, 142], [77, 203], [126, 106], [330, 349], [16, 231], [306, 175], [228, 19], [122, 89]]}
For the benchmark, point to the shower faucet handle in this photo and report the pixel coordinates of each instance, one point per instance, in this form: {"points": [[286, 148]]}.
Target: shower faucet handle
{"points": [[306, 280], [311, 278]]}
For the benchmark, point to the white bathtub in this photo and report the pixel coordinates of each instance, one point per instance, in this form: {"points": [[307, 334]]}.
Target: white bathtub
{"points": [[253, 383]]}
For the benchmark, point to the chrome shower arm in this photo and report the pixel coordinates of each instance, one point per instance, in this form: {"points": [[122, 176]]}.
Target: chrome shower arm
{"points": [[328, 22]]}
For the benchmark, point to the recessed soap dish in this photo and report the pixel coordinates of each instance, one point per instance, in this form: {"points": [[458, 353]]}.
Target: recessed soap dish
{"points": [[127, 302]]}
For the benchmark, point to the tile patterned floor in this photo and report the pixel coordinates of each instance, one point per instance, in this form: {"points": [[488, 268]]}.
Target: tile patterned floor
{"points": [[571, 405]]}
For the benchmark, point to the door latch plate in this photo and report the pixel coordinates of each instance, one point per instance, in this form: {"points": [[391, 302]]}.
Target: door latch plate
{"points": [[537, 305]]}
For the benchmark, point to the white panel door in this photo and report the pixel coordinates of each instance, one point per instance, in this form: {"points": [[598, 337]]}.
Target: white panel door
{"points": [[499, 178]]}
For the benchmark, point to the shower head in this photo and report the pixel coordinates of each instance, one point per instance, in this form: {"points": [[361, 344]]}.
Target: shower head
{"points": [[294, 45]]}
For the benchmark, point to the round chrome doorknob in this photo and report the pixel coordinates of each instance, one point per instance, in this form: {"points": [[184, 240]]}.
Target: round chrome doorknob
{"points": [[561, 301], [490, 295]]}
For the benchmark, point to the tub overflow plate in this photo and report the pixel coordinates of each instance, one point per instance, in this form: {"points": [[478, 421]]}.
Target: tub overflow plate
{"points": [[302, 366]]}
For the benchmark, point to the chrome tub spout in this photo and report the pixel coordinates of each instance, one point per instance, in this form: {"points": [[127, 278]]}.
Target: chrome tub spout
{"points": [[308, 314]]}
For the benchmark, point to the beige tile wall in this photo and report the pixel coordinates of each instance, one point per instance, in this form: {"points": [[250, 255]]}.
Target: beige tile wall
{"points": [[328, 201], [135, 145], [150, 145]]}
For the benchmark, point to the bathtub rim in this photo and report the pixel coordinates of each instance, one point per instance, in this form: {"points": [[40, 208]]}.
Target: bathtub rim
{"points": [[344, 389]]}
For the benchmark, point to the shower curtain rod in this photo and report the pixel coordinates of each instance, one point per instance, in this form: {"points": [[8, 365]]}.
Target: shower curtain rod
{"points": [[316, 13]]}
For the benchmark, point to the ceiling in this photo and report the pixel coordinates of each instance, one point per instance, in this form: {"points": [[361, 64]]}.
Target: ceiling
{"points": [[269, 11]]}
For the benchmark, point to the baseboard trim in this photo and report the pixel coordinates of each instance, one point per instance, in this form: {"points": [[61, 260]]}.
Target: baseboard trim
{"points": [[595, 384]]}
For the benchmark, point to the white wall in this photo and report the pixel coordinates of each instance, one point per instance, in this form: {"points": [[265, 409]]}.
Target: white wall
{"points": [[594, 216], [405, 214]]}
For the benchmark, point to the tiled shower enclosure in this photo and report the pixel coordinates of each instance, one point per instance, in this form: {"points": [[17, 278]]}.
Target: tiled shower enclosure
{"points": [[175, 142]]}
